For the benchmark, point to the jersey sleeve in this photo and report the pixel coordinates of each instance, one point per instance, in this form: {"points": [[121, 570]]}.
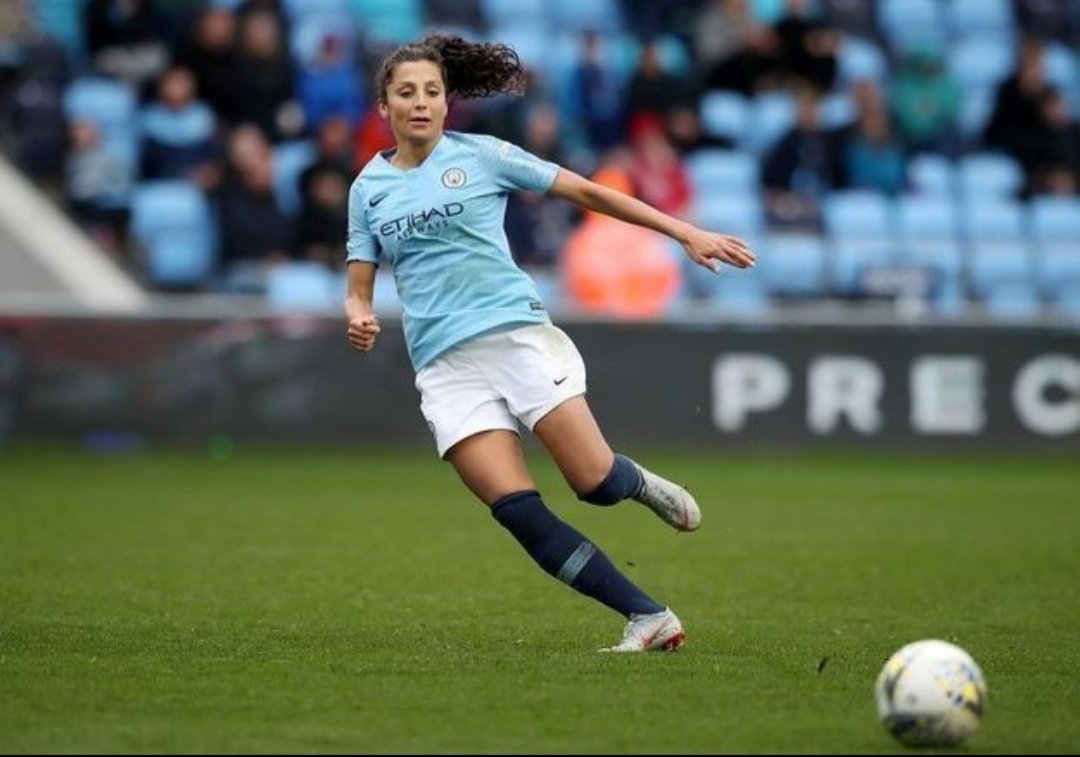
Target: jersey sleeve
{"points": [[361, 244], [514, 168]]}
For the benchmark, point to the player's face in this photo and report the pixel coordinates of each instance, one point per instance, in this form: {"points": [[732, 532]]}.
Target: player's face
{"points": [[415, 101]]}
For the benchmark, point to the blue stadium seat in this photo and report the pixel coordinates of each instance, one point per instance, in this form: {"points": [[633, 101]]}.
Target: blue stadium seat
{"points": [[932, 175], [920, 218], [61, 20], [109, 103], [945, 261], [1057, 267], [1055, 219], [173, 223], [976, 108], [861, 59], [739, 295], [714, 171], [994, 219], [912, 24], [793, 265], [505, 14], [725, 114], [981, 62], [303, 287], [1067, 302], [857, 215], [992, 265], [1012, 301], [532, 45], [989, 174], [573, 15], [852, 257], [838, 109], [1062, 68], [738, 213], [298, 10], [290, 159], [986, 17], [388, 21], [772, 115]]}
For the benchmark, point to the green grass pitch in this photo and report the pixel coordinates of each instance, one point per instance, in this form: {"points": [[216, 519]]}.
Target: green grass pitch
{"points": [[349, 601]]}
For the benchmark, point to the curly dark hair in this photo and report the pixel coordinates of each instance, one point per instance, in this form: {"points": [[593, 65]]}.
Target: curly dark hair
{"points": [[470, 69]]}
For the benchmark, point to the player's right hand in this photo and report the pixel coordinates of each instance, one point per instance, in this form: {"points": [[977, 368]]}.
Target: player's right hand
{"points": [[362, 331]]}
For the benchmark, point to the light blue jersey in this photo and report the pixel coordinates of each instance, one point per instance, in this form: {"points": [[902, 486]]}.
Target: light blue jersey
{"points": [[440, 227]]}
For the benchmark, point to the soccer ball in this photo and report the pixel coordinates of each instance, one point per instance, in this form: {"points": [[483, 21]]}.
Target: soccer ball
{"points": [[930, 693]]}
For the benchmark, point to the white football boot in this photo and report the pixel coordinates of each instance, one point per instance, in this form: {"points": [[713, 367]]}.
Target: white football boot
{"points": [[676, 506], [659, 632]]}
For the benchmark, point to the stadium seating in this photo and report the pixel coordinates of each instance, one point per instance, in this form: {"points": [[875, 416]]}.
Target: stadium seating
{"points": [[793, 265], [989, 174], [857, 215], [1055, 219], [173, 223], [725, 114], [303, 287], [931, 174], [921, 218], [723, 171], [290, 159], [994, 219]]}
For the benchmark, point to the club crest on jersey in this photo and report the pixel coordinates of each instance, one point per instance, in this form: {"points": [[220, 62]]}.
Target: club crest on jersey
{"points": [[453, 178]]}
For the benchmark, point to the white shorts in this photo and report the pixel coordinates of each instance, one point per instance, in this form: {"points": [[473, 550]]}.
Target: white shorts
{"points": [[495, 380]]}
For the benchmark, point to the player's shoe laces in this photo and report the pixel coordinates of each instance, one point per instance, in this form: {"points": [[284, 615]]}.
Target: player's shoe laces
{"points": [[671, 502], [659, 632]]}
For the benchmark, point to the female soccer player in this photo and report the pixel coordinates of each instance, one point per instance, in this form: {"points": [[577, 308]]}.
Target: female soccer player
{"points": [[485, 352]]}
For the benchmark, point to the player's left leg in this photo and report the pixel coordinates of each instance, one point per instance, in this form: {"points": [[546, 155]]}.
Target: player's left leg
{"points": [[599, 476]]}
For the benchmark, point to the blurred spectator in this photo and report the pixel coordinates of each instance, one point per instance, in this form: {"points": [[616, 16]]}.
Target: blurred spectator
{"points": [[211, 57], [457, 13], [652, 90], [123, 40], [615, 268], [330, 84], [1048, 19], [802, 167], [262, 82], [373, 136], [178, 133], [1053, 154], [685, 131], [596, 95], [807, 48], [752, 68], [855, 17], [536, 224], [655, 169], [1017, 110], [255, 234], [38, 130], [873, 157], [323, 217], [334, 152], [925, 100], [722, 29], [99, 181]]}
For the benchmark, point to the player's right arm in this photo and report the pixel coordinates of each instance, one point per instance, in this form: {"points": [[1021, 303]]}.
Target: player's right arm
{"points": [[362, 323]]}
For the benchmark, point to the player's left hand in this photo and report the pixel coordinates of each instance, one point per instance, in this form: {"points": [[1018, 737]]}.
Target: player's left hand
{"points": [[710, 250]]}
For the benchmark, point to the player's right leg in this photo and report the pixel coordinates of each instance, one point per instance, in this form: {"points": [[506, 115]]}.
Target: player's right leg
{"points": [[491, 465]]}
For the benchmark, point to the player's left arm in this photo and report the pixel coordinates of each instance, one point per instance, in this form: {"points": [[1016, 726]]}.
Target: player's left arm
{"points": [[704, 247]]}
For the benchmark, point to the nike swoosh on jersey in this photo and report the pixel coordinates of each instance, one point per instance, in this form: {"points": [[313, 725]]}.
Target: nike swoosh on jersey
{"points": [[377, 199]]}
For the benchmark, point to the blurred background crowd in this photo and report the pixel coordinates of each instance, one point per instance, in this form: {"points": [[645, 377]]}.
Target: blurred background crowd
{"points": [[916, 151]]}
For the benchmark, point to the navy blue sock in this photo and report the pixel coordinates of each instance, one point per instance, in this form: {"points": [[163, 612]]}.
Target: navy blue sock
{"points": [[562, 551], [623, 480]]}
